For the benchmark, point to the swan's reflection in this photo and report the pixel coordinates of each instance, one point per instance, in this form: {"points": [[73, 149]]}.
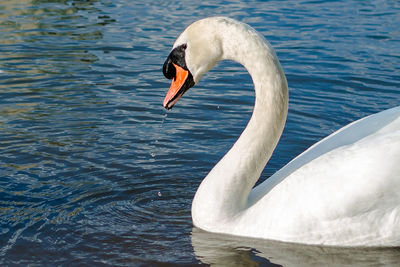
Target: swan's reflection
{"points": [[223, 250]]}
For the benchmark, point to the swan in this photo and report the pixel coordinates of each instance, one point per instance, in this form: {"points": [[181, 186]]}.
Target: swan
{"points": [[342, 191]]}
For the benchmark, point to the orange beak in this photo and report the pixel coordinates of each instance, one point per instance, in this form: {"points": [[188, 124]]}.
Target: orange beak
{"points": [[176, 91]]}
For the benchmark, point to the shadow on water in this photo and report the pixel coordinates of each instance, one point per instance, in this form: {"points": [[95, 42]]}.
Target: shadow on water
{"points": [[223, 250]]}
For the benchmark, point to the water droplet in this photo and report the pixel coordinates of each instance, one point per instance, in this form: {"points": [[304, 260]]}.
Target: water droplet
{"points": [[162, 121]]}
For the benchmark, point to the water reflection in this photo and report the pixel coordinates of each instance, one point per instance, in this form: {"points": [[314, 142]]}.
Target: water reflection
{"points": [[46, 118], [41, 63], [39, 38], [223, 250]]}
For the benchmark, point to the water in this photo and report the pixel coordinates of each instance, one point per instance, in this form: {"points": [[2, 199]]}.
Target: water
{"points": [[95, 172]]}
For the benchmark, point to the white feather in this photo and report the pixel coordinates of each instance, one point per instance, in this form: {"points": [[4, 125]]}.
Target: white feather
{"points": [[343, 191]]}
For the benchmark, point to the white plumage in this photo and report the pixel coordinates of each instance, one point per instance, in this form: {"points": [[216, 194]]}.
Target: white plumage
{"points": [[343, 191]]}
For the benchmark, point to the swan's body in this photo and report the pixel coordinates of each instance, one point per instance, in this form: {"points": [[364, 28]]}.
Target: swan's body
{"points": [[343, 191]]}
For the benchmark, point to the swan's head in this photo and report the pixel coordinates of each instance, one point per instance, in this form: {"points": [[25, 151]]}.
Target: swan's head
{"points": [[194, 53]]}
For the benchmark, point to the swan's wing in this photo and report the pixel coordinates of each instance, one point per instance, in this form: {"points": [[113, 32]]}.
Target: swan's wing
{"points": [[367, 129], [348, 181], [337, 191]]}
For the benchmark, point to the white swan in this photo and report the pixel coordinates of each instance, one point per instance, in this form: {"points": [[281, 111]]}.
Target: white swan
{"points": [[343, 191]]}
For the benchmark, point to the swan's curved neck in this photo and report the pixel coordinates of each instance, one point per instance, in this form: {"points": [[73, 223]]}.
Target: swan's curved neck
{"points": [[225, 190]]}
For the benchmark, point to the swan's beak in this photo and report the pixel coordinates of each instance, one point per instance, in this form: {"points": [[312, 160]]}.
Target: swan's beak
{"points": [[179, 85]]}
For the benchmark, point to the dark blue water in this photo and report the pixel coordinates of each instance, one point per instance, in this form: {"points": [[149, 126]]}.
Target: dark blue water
{"points": [[93, 170]]}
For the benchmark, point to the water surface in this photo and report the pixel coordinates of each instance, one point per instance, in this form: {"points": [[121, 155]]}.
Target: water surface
{"points": [[93, 170]]}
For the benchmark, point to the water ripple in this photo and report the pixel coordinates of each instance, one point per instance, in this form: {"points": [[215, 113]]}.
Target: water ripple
{"points": [[95, 172]]}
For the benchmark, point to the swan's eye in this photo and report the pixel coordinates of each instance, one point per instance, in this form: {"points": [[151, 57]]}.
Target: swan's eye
{"points": [[176, 56]]}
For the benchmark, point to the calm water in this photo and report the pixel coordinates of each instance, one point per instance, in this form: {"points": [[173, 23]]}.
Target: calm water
{"points": [[95, 172]]}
